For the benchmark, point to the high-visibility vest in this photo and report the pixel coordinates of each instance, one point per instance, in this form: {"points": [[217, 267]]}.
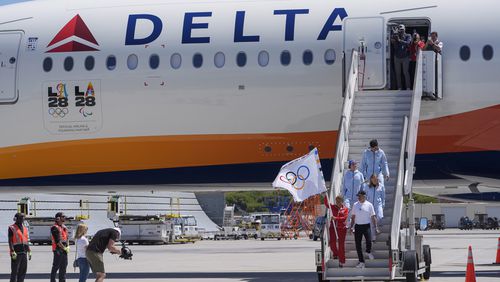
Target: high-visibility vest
{"points": [[63, 233], [19, 237]]}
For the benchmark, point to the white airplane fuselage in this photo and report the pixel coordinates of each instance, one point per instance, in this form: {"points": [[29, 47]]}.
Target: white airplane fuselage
{"points": [[234, 118]]}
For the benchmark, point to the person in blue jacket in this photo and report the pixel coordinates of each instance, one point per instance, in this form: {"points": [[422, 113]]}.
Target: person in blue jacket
{"points": [[375, 195], [353, 179], [375, 162]]}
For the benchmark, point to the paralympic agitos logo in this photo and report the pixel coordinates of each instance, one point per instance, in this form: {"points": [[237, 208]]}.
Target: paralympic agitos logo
{"points": [[151, 26]]}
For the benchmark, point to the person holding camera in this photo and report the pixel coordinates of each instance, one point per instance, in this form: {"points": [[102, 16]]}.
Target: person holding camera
{"points": [[401, 42], [19, 249], [433, 43], [102, 240], [60, 248]]}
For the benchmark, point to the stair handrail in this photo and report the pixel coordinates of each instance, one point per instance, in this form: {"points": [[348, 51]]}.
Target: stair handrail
{"points": [[406, 161], [342, 149], [397, 207]]}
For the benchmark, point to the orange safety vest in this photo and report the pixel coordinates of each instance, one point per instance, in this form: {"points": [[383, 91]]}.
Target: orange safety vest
{"points": [[19, 237], [63, 232]]}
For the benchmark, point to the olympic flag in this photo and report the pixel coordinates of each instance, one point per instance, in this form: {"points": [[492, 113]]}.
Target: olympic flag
{"points": [[302, 177]]}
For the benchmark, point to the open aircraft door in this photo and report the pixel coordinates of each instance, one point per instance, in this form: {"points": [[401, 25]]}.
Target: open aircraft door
{"points": [[9, 51], [367, 36]]}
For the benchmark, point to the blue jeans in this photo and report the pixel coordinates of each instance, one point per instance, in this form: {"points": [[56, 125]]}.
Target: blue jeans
{"points": [[84, 266]]}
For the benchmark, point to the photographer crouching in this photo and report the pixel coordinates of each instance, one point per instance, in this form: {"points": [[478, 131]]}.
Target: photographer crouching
{"points": [[102, 240]]}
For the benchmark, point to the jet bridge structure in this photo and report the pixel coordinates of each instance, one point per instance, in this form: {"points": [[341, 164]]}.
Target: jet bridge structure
{"points": [[391, 117]]}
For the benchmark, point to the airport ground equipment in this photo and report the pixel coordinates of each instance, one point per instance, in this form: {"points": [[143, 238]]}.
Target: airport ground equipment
{"points": [[270, 226], [39, 229], [144, 229], [228, 233], [318, 227], [465, 223], [438, 221], [482, 221], [392, 118], [300, 217]]}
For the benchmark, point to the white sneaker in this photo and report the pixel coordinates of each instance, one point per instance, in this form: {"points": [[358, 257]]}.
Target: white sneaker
{"points": [[370, 256], [360, 265]]}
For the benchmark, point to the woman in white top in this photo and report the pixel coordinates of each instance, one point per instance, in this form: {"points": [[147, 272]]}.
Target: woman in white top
{"points": [[81, 246]]}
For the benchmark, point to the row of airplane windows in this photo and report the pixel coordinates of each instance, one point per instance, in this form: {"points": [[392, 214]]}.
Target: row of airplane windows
{"points": [[219, 60]]}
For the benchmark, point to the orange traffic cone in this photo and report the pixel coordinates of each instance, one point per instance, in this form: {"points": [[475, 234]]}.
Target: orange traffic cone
{"points": [[498, 252], [470, 274]]}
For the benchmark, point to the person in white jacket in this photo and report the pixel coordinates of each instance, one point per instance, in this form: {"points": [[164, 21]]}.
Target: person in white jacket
{"points": [[375, 195], [353, 179], [375, 162]]}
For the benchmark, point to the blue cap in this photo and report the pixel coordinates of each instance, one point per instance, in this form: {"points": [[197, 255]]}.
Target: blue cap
{"points": [[351, 162]]}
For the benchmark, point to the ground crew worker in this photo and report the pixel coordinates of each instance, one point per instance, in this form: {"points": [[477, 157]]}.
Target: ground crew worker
{"points": [[60, 248], [102, 240], [338, 228], [375, 195], [375, 162], [19, 249], [353, 179]]}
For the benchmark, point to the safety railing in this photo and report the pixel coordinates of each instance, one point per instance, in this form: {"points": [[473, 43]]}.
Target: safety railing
{"points": [[398, 200], [406, 162], [342, 150]]}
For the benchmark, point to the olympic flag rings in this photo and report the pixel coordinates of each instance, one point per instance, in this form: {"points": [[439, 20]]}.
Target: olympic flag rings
{"points": [[301, 175], [58, 112]]}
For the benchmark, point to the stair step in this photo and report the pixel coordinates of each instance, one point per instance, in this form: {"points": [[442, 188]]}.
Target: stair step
{"points": [[369, 136], [353, 273], [361, 99], [381, 129], [378, 254], [384, 93], [352, 262], [377, 121], [379, 114], [383, 237], [382, 107]]}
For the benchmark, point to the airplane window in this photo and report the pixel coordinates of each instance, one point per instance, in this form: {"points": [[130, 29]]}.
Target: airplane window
{"points": [[89, 63], [197, 60], [285, 58], [175, 60], [219, 59], [111, 62], [330, 56], [68, 63], [263, 58], [488, 52], [132, 61], [154, 61], [465, 53], [241, 59], [307, 57], [47, 64]]}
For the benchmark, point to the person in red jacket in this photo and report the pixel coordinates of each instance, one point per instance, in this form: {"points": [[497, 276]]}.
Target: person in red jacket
{"points": [[339, 217]]}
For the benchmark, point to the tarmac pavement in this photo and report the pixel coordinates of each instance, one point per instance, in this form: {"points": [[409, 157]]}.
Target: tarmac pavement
{"points": [[263, 261]]}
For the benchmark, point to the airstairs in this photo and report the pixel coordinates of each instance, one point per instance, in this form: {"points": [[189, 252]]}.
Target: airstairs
{"points": [[391, 117]]}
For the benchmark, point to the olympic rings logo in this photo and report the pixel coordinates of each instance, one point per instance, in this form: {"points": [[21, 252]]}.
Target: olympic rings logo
{"points": [[58, 112], [295, 178]]}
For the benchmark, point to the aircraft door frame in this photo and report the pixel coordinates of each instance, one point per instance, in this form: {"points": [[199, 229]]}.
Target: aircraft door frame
{"points": [[10, 42], [367, 35]]}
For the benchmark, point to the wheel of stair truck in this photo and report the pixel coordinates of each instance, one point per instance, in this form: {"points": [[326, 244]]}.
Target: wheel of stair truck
{"points": [[410, 265], [428, 261], [320, 275]]}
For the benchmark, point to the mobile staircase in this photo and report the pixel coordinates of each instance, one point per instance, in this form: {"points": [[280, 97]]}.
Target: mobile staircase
{"points": [[392, 118]]}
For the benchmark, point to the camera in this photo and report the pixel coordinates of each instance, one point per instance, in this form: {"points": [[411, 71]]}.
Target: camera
{"points": [[126, 252]]}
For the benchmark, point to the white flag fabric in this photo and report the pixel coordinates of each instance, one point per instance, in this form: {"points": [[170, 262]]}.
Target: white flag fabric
{"points": [[302, 177]]}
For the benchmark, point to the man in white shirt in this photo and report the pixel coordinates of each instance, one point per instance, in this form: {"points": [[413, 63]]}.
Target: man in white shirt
{"points": [[363, 214]]}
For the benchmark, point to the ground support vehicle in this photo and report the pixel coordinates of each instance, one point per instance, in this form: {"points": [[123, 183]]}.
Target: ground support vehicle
{"points": [[144, 229]]}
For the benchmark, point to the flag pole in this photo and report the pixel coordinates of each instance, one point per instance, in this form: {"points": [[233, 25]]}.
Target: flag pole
{"points": [[331, 214]]}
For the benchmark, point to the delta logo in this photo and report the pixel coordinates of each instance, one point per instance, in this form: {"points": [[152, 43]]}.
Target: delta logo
{"points": [[75, 36]]}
